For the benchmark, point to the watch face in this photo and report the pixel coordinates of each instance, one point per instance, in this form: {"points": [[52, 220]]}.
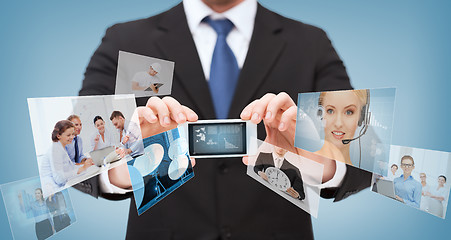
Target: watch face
{"points": [[277, 178]]}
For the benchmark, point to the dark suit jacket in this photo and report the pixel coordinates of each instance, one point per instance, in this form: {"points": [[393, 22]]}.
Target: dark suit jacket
{"points": [[221, 201], [265, 160]]}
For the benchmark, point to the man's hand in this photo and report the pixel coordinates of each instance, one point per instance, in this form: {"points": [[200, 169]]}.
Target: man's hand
{"points": [[278, 113], [293, 193], [263, 175], [154, 89], [125, 139], [86, 164], [128, 151], [160, 115], [120, 152], [399, 198], [82, 161]]}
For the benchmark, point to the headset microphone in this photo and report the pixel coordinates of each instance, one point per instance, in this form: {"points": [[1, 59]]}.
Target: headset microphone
{"points": [[347, 141], [364, 121]]}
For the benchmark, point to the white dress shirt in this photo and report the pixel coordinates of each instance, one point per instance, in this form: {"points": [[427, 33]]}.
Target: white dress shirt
{"points": [[134, 143], [278, 161], [242, 16]]}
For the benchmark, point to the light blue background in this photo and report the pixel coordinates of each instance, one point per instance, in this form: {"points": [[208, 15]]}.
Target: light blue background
{"points": [[46, 45]]}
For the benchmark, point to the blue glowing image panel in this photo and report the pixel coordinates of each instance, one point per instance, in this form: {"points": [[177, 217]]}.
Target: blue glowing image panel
{"points": [[163, 168]]}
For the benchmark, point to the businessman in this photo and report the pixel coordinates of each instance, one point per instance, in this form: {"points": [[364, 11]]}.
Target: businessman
{"points": [[277, 159], [75, 148], [228, 54], [129, 134]]}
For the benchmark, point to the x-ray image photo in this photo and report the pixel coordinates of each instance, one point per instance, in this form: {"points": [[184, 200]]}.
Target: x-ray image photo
{"points": [[33, 216], [143, 76], [163, 168], [352, 126]]}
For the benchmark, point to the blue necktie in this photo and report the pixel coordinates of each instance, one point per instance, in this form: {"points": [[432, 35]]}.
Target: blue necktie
{"points": [[76, 149], [224, 69]]}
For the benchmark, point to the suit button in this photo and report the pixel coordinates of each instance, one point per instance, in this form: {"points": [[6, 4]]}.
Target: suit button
{"points": [[223, 168], [226, 232]]}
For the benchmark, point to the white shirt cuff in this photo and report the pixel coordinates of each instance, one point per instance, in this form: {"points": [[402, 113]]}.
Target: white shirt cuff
{"points": [[337, 179], [107, 187]]}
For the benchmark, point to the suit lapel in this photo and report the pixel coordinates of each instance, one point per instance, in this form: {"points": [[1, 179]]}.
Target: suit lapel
{"points": [[264, 49], [177, 44]]}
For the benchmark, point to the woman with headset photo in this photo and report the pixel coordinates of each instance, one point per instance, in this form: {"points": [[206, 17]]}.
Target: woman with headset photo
{"points": [[342, 113]]}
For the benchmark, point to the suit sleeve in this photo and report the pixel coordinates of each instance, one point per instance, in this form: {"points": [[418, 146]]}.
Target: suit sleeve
{"points": [[259, 163], [330, 72], [354, 181], [100, 74], [298, 184]]}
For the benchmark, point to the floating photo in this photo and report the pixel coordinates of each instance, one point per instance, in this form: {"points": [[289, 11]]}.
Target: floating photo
{"points": [[352, 126], [143, 76], [163, 168], [31, 215], [76, 138], [417, 178], [295, 178]]}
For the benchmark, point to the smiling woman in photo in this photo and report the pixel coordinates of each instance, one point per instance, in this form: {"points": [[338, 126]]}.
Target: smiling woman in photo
{"points": [[102, 138], [57, 168], [41, 214], [341, 113], [437, 197]]}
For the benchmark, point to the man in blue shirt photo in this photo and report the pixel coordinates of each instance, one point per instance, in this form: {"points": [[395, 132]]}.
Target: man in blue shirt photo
{"points": [[75, 148]]}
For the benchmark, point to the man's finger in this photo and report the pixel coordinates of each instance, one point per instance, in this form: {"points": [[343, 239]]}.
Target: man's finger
{"points": [[246, 113], [259, 109], [176, 111], [193, 161], [160, 109], [280, 102], [190, 114], [146, 113], [245, 160], [287, 118]]}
